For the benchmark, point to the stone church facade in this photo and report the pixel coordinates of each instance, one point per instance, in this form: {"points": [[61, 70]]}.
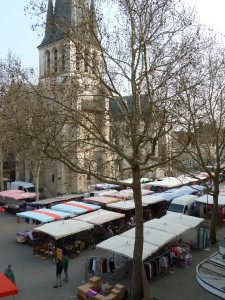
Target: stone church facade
{"points": [[61, 62]]}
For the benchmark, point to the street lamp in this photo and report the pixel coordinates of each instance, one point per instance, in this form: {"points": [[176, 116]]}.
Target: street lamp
{"points": [[222, 248]]}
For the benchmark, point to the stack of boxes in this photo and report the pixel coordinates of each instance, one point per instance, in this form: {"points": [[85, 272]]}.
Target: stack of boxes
{"points": [[111, 293]]}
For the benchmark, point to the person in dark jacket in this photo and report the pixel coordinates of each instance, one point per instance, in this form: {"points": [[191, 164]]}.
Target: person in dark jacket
{"points": [[65, 263], [59, 268], [10, 274]]}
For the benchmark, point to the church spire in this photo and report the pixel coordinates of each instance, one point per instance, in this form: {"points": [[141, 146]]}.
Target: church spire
{"points": [[49, 25]]}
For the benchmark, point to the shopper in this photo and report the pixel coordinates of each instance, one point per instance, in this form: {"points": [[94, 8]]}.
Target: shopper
{"points": [[65, 263], [59, 268], [9, 273], [109, 233]]}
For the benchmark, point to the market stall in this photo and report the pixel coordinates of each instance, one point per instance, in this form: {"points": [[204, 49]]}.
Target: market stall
{"points": [[164, 244], [127, 194], [205, 204], [187, 190], [11, 200], [47, 203], [43, 215], [127, 207], [102, 219], [104, 186], [165, 229], [157, 204], [124, 245], [164, 184], [101, 200], [63, 236], [76, 208]]}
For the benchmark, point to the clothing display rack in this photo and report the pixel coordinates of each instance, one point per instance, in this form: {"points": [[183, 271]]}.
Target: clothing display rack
{"points": [[106, 266]]}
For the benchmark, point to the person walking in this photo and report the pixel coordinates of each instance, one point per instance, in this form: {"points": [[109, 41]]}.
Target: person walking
{"points": [[109, 233], [65, 263], [59, 268], [9, 273]]}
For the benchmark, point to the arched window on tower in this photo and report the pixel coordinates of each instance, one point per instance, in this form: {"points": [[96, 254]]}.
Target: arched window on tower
{"points": [[86, 60], [55, 51], [78, 59], [63, 60], [47, 57], [94, 62]]}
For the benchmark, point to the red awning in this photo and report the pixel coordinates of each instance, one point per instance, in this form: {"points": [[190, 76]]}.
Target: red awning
{"points": [[7, 288]]}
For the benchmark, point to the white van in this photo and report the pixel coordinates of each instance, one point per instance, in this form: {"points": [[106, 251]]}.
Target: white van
{"points": [[21, 185], [182, 205]]}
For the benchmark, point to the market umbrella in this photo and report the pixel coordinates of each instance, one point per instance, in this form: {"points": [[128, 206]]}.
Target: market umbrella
{"points": [[7, 288]]}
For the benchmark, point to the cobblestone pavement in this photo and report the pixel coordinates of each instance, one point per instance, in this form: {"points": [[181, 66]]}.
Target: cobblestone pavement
{"points": [[35, 277]]}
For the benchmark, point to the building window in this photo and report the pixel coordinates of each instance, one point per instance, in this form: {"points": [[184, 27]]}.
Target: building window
{"points": [[53, 178], [47, 54], [55, 60], [63, 61], [94, 62], [78, 59], [86, 62]]}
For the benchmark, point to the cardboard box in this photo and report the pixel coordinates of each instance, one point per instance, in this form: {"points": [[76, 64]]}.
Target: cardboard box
{"points": [[100, 297], [95, 280], [116, 291], [120, 287], [82, 290], [96, 287], [111, 297], [108, 290]]}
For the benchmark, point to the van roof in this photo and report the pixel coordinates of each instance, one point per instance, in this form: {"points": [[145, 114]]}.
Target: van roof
{"points": [[23, 183], [184, 199]]}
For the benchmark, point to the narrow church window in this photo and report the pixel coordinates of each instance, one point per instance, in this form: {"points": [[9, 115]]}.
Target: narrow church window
{"points": [[63, 61], [55, 60], [53, 178], [78, 59], [47, 62], [94, 62], [86, 62]]}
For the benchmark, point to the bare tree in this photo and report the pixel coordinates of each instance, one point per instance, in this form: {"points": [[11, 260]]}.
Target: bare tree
{"points": [[203, 124], [19, 100], [144, 49]]}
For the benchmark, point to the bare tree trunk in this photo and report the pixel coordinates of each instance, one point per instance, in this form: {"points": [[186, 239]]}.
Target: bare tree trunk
{"points": [[136, 280], [215, 210], [1, 170], [37, 180]]}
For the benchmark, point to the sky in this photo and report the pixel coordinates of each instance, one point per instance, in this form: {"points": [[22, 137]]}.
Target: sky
{"points": [[18, 38]]}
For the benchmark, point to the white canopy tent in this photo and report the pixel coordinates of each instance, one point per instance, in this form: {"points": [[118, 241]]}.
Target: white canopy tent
{"points": [[166, 226], [152, 236], [157, 233], [183, 219], [158, 197], [100, 216], [124, 205], [101, 200], [125, 246], [168, 182], [60, 229], [209, 199]]}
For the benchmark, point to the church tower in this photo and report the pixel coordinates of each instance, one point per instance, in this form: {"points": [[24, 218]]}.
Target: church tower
{"points": [[58, 55], [68, 53]]}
